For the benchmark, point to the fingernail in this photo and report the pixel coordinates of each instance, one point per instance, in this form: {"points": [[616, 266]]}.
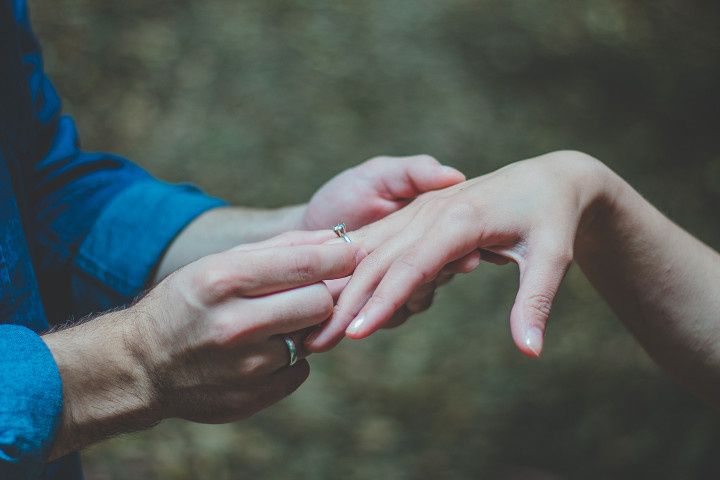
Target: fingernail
{"points": [[534, 340], [355, 326]]}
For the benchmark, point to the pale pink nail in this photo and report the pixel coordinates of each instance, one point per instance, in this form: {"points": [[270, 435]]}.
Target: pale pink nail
{"points": [[355, 326], [534, 340]]}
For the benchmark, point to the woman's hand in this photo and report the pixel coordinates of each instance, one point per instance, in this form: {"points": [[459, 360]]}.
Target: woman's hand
{"points": [[528, 212]]}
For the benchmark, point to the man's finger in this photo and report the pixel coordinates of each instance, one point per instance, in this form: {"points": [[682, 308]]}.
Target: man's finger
{"points": [[408, 177], [466, 264], [422, 298], [268, 270], [289, 239], [280, 313], [279, 385], [337, 286], [400, 317]]}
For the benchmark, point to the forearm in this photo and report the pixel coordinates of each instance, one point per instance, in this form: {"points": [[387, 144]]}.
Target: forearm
{"points": [[663, 284], [222, 228], [106, 391]]}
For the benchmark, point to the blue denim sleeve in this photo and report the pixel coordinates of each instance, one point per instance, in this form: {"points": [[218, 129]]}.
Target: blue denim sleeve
{"points": [[30, 402], [99, 222], [129, 236]]}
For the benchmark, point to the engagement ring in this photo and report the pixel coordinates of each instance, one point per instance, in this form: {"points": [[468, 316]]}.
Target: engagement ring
{"points": [[339, 230]]}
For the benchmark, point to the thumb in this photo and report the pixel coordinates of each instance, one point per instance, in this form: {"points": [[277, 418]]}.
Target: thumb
{"points": [[408, 177], [540, 279]]}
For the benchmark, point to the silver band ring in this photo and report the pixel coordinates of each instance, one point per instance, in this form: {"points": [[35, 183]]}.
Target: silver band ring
{"points": [[339, 230], [292, 350]]}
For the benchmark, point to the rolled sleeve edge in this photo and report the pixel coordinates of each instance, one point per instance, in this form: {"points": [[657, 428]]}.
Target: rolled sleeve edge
{"points": [[30, 401], [129, 237]]}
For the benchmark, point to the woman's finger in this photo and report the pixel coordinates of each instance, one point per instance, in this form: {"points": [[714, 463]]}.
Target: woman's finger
{"points": [[280, 313], [540, 279], [415, 264], [466, 264], [360, 287], [412, 269]]}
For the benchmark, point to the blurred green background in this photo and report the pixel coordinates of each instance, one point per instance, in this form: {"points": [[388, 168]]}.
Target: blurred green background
{"points": [[261, 101]]}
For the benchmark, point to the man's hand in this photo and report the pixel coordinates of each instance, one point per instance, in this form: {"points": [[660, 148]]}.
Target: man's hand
{"points": [[206, 344], [375, 189]]}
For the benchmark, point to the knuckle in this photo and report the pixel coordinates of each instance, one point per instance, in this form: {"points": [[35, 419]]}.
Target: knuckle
{"points": [[417, 272], [320, 299], [304, 266], [539, 306], [459, 210], [215, 283], [254, 366], [382, 299], [232, 327]]}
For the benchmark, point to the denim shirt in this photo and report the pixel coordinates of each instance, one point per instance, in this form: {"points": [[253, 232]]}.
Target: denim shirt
{"points": [[79, 232]]}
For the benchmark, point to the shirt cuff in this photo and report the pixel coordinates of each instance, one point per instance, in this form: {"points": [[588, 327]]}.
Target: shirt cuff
{"points": [[129, 237], [30, 402]]}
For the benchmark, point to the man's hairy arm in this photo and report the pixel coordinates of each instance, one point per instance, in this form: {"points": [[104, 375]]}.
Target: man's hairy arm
{"points": [[106, 389]]}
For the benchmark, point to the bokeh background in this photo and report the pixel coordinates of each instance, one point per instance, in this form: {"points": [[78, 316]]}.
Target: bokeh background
{"points": [[261, 101]]}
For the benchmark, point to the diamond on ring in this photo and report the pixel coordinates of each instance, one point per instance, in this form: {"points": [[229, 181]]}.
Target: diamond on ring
{"points": [[339, 230]]}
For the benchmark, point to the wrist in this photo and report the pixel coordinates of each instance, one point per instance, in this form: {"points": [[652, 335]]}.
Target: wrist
{"points": [[602, 192], [106, 391]]}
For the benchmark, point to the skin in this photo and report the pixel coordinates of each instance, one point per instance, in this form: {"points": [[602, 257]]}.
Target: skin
{"points": [[357, 196], [543, 214], [205, 344]]}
